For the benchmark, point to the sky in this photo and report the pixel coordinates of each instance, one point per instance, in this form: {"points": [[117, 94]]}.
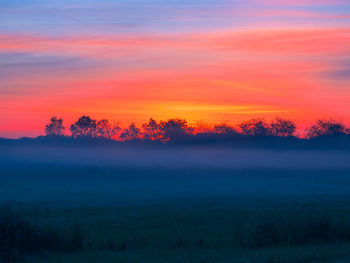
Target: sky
{"points": [[203, 60]]}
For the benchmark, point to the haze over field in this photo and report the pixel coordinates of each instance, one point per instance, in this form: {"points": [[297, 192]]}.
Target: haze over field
{"points": [[201, 157], [137, 174]]}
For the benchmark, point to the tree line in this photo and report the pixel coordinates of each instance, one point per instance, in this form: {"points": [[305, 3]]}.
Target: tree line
{"points": [[177, 128]]}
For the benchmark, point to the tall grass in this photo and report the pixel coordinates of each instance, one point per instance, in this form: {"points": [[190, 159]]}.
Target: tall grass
{"points": [[257, 229], [20, 237], [297, 227], [23, 235]]}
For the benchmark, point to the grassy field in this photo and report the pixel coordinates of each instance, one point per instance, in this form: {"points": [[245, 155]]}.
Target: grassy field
{"points": [[186, 231], [69, 212]]}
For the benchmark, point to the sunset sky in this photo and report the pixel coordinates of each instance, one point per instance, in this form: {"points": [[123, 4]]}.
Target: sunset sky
{"points": [[212, 60]]}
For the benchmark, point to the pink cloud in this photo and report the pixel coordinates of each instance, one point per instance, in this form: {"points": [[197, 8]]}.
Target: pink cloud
{"points": [[302, 2], [264, 72], [307, 41], [286, 42]]}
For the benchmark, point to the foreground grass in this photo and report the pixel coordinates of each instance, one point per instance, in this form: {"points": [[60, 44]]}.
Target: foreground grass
{"points": [[327, 253], [272, 232]]}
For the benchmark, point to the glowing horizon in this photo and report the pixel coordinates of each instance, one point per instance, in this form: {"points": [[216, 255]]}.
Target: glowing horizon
{"points": [[209, 60]]}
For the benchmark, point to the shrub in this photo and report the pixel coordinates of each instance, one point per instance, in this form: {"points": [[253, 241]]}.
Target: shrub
{"points": [[20, 237], [296, 227]]}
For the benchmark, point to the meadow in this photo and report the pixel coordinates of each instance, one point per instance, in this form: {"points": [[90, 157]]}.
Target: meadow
{"points": [[144, 205]]}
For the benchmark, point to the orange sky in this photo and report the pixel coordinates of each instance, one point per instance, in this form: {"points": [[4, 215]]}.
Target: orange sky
{"points": [[215, 72]]}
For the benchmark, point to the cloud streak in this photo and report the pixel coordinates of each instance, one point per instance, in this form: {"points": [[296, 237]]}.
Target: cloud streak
{"points": [[211, 60]]}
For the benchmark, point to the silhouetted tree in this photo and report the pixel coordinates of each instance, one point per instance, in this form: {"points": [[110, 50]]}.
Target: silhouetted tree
{"points": [[55, 127], [151, 131], [224, 129], [130, 133], [255, 127], [85, 126], [107, 130], [325, 127], [173, 129], [282, 127]]}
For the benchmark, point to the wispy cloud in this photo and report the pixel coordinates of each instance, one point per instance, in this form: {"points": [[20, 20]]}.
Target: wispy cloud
{"points": [[132, 59]]}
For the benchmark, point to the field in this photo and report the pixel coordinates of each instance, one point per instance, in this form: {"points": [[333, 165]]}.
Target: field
{"points": [[174, 205]]}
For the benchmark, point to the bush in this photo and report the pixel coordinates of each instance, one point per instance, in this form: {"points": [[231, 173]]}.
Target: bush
{"points": [[297, 227], [19, 237]]}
